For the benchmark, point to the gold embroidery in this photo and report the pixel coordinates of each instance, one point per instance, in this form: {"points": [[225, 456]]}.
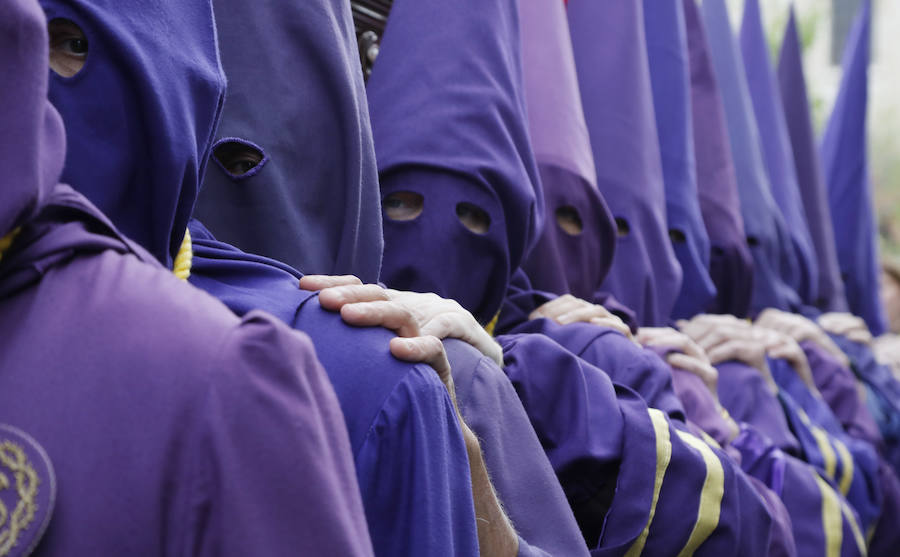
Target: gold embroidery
{"points": [[824, 445], [13, 457], [846, 466], [663, 457], [185, 257]]}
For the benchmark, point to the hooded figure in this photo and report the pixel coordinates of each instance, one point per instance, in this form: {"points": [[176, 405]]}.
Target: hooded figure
{"points": [[605, 445], [774, 261], [667, 50], [273, 209], [775, 145], [575, 250], [576, 245], [731, 265], [169, 422], [396, 462], [482, 172], [795, 99], [614, 78], [411, 396], [846, 166]]}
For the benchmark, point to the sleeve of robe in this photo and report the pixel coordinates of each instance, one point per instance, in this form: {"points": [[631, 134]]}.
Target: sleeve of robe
{"points": [[636, 483], [850, 464], [821, 519], [623, 361], [743, 392], [519, 470], [882, 395], [840, 389], [273, 469]]}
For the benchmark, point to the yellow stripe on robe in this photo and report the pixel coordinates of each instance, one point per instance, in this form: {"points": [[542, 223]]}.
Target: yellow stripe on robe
{"points": [[824, 445], [846, 466], [832, 525], [710, 497], [663, 457]]}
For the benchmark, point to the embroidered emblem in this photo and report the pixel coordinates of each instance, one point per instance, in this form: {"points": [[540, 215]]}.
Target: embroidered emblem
{"points": [[27, 492]]}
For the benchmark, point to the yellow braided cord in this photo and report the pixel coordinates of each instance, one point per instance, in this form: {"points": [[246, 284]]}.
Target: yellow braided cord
{"points": [[6, 242], [185, 257], [663, 457], [711, 496], [492, 325]]}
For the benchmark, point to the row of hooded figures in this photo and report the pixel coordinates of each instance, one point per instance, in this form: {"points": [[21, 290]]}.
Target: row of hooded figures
{"points": [[561, 278]]}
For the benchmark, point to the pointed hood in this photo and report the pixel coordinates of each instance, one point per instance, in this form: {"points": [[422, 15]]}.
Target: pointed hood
{"points": [[141, 114], [844, 158], [32, 149], [314, 203], [778, 154], [795, 99], [731, 265], [667, 49], [563, 261], [614, 78], [767, 234], [447, 104]]}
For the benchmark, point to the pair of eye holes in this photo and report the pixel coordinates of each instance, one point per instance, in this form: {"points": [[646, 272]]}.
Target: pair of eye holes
{"points": [[406, 206]]}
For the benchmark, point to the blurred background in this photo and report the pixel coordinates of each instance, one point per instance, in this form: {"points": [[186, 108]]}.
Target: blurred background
{"points": [[824, 25]]}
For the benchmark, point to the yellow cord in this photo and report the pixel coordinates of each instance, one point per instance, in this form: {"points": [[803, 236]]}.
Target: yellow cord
{"points": [[6, 242], [185, 258], [492, 325]]}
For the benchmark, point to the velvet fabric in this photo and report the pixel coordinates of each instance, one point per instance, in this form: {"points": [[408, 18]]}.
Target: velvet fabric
{"points": [[151, 127], [767, 234], [731, 265], [450, 124], [795, 99], [778, 155], [843, 152], [610, 49], [314, 203], [670, 72]]}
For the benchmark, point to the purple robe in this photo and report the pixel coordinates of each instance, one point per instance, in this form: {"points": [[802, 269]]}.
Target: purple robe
{"points": [[667, 49], [731, 265], [849, 183], [767, 233], [172, 426], [795, 98], [614, 78], [607, 447]]}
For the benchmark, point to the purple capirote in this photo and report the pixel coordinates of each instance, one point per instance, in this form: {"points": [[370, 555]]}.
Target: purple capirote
{"points": [[731, 265], [849, 182], [810, 177], [614, 79]]}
